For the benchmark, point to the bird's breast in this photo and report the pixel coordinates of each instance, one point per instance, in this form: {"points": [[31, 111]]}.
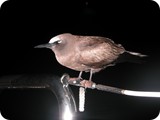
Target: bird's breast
{"points": [[70, 61]]}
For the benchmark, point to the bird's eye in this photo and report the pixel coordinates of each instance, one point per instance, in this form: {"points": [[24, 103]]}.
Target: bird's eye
{"points": [[59, 41]]}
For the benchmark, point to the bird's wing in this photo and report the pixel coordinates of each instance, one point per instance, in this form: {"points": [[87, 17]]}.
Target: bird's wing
{"points": [[97, 52]]}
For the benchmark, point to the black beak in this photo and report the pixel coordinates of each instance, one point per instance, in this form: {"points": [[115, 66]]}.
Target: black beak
{"points": [[48, 45]]}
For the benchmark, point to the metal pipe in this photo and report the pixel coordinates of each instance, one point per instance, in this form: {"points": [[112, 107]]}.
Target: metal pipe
{"points": [[109, 89], [77, 82]]}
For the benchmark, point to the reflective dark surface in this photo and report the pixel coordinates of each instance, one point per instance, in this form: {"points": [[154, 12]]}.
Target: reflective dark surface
{"points": [[20, 84]]}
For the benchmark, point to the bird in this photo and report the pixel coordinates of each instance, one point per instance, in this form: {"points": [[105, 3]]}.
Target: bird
{"points": [[86, 53]]}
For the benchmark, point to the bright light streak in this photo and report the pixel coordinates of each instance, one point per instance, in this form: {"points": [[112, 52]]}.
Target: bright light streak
{"points": [[67, 115], [141, 94]]}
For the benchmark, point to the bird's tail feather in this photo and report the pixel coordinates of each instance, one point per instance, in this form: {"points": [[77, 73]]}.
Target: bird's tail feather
{"points": [[132, 57], [136, 54]]}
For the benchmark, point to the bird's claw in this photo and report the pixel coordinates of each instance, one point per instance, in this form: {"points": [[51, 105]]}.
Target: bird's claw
{"points": [[81, 82], [87, 83], [77, 81]]}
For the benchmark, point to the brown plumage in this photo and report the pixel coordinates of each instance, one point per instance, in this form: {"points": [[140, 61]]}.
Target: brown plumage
{"points": [[85, 53]]}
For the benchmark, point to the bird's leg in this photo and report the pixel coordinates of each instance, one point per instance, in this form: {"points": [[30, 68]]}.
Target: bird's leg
{"points": [[88, 83], [80, 74], [90, 77], [81, 81]]}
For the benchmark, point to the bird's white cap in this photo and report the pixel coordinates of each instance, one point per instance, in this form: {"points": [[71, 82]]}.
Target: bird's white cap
{"points": [[54, 39]]}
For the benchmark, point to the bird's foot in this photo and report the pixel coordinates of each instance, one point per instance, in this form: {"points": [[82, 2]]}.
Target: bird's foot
{"points": [[81, 82], [87, 83]]}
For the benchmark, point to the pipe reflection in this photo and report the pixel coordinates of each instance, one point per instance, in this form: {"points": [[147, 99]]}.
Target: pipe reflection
{"points": [[63, 93]]}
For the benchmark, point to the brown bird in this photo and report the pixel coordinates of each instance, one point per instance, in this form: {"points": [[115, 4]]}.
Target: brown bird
{"points": [[86, 53]]}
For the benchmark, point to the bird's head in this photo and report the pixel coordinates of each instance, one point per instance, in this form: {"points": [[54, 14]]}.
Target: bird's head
{"points": [[58, 41]]}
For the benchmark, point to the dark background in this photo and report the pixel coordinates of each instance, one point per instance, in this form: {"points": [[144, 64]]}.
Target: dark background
{"points": [[135, 25]]}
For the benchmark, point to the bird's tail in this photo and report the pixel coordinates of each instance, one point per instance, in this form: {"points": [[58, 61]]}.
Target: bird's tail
{"points": [[136, 54], [132, 57]]}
